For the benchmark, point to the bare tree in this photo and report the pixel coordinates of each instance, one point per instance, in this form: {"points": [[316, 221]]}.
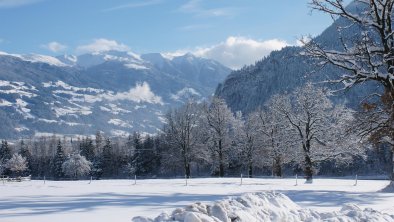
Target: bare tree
{"points": [[318, 124], [182, 133], [368, 56], [247, 137], [276, 136], [219, 120]]}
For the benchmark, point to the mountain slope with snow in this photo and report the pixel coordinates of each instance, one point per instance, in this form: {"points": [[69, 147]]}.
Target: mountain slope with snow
{"points": [[115, 92], [284, 70]]}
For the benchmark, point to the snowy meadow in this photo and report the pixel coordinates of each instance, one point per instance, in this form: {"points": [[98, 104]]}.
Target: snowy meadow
{"points": [[122, 200]]}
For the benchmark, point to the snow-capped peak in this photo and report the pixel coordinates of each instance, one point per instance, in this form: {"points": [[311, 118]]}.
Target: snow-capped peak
{"points": [[96, 58], [37, 58]]}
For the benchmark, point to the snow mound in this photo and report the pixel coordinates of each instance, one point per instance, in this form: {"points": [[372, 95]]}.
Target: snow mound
{"points": [[268, 207]]}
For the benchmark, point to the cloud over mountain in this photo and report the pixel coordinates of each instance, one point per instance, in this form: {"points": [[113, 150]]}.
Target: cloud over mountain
{"points": [[236, 52], [102, 45]]}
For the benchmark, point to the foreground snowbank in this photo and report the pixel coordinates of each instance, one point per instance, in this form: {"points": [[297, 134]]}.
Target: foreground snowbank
{"points": [[266, 206]]}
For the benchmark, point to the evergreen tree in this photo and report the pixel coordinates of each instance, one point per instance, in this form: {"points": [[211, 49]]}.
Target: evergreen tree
{"points": [[25, 153], [106, 160], [58, 161], [5, 155], [137, 158], [99, 143], [87, 149], [96, 170], [5, 151]]}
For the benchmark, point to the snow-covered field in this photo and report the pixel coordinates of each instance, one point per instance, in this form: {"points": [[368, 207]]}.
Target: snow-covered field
{"points": [[121, 200]]}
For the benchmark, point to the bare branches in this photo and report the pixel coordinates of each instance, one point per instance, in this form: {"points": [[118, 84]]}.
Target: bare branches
{"points": [[369, 56]]}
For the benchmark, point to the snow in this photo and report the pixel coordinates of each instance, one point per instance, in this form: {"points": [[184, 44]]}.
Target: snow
{"points": [[47, 120], [64, 111], [119, 133], [265, 206], [21, 128], [140, 93], [119, 122], [4, 102], [36, 58], [121, 200], [136, 66], [184, 93], [21, 107], [18, 88], [116, 110]]}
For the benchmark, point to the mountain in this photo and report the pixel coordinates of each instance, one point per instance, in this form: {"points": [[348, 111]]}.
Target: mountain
{"points": [[284, 70], [115, 92]]}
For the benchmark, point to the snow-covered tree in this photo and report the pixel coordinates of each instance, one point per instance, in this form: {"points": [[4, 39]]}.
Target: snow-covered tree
{"points": [[248, 140], [17, 164], [276, 136], [182, 133], [318, 124], [366, 56], [25, 153], [76, 166], [219, 120], [58, 161]]}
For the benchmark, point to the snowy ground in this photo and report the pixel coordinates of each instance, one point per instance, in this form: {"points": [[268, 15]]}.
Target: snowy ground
{"points": [[121, 200]]}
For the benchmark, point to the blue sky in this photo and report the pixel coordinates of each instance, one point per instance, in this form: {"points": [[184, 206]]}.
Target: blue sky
{"points": [[76, 26]]}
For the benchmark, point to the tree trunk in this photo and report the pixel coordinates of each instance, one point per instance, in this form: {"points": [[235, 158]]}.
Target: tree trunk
{"points": [[277, 168], [187, 170], [250, 169], [221, 164], [308, 169], [392, 165]]}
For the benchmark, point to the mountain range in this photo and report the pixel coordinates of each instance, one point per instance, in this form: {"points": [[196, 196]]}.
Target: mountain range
{"points": [[114, 91], [283, 71]]}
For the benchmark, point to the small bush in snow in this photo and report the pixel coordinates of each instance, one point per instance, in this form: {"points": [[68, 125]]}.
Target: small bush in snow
{"points": [[76, 166], [17, 164]]}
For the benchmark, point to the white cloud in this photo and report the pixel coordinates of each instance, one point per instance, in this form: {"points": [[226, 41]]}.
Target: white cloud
{"points": [[54, 47], [102, 45], [194, 27], [236, 52], [140, 93], [16, 3], [134, 5], [195, 7]]}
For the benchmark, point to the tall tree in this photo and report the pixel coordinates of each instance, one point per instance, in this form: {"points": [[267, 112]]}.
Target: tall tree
{"points": [[107, 158], [367, 56], [99, 140], [87, 148], [5, 151], [219, 120], [247, 137], [276, 137], [182, 133], [58, 161], [318, 124], [25, 153], [5, 155]]}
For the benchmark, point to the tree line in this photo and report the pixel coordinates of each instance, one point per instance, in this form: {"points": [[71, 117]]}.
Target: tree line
{"points": [[296, 133]]}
